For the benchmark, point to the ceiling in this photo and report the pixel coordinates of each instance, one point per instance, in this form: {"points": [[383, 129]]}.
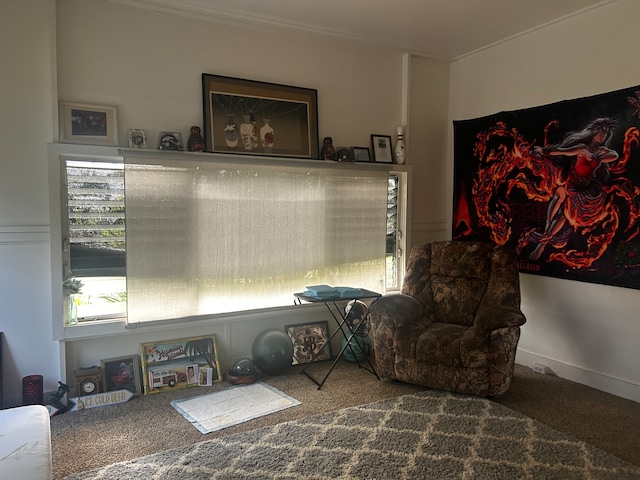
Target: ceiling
{"points": [[444, 29]]}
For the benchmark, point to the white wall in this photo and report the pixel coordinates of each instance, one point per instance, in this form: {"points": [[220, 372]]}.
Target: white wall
{"points": [[26, 56], [149, 65], [427, 149], [585, 332]]}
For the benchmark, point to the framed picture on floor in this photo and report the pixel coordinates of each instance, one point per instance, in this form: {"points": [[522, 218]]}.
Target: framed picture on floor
{"points": [[121, 373], [168, 364], [308, 340]]}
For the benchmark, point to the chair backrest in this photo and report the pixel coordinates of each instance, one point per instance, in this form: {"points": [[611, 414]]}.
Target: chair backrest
{"points": [[454, 279]]}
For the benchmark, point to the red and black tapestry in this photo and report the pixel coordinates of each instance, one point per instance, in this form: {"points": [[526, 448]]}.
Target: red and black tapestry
{"points": [[559, 182]]}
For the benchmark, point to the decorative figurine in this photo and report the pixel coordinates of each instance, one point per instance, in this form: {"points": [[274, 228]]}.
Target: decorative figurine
{"points": [[195, 142], [54, 400], [400, 152], [328, 152]]}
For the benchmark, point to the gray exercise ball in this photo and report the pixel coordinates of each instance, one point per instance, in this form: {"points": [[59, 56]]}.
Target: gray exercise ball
{"points": [[272, 351]]}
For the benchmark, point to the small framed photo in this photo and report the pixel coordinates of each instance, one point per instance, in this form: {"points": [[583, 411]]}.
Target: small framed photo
{"points": [[192, 373], [382, 152], [137, 138], [361, 154], [88, 124], [205, 376], [170, 141], [122, 373], [309, 340]]}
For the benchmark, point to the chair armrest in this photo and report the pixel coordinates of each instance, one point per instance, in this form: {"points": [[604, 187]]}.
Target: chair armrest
{"points": [[395, 311], [490, 318], [487, 320], [396, 322]]}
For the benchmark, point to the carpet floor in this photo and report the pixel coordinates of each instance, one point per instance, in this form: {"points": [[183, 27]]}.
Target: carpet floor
{"points": [[86, 440], [429, 434]]}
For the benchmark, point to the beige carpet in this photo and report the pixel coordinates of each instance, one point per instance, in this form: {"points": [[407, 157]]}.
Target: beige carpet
{"points": [[430, 434], [85, 440]]}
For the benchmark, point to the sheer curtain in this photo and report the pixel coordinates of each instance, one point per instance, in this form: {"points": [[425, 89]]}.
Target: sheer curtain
{"points": [[226, 234]]}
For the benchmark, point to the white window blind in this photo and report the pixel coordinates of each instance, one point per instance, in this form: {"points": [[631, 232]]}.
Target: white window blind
{"points": [[221, 235]]}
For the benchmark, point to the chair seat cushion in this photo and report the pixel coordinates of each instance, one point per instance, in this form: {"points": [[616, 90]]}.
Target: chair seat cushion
{"points": [[442, 344]]}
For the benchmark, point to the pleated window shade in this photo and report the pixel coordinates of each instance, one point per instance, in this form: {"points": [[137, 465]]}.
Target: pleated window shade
{"points": [[213, 236]]}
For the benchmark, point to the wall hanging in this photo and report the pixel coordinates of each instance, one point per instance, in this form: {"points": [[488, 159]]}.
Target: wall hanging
{"points": [[560, 182]]}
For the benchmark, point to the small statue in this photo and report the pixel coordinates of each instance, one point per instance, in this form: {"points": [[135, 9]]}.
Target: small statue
{"points": [[328, 152], [54, 398], [195, 142]]}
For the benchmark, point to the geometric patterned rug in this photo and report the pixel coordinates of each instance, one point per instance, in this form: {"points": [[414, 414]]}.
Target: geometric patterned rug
{"points": [[431, 434]]}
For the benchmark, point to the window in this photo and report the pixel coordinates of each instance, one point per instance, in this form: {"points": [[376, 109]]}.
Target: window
{"points": [[214, 234], [95, 242], [395, 230]]}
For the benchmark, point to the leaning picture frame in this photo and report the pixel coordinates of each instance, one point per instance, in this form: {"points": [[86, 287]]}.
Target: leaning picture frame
{"points": [[166, 363], [382, 151], [310, 341], [121, 373], [258, 118], [137, 138], [361, 154], [88, 124]]}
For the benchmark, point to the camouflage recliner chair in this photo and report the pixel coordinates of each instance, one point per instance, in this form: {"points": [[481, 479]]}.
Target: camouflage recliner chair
{"points": [[456, 324]]}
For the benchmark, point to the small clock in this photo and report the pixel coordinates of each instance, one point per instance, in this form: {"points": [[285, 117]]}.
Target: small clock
{"points": [[88, 380]]}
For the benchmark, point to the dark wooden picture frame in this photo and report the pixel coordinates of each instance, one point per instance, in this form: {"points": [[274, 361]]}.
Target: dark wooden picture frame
{"points": [[309, 339], [259, 118], [122, 373], [382, 148], [361, 154]]}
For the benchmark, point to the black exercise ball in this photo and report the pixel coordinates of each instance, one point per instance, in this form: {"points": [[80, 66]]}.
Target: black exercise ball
{"points": [[272, 351]]}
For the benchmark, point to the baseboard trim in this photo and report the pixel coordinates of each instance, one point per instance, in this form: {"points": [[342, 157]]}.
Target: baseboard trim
{"points": [[606, 383]]}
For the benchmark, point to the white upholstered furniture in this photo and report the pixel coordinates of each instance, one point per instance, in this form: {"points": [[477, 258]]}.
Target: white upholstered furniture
{"points": [[25, 443]]}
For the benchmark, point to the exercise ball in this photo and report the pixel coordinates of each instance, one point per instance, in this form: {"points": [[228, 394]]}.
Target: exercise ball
{"points": [[272, 352], [357, 354]]}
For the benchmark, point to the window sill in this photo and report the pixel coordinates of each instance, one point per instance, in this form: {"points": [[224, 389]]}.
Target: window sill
{"points": [[119, 326]]}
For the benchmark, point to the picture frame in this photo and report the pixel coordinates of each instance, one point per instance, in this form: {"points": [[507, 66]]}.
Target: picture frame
{"points": [[382, 149], [193, 371], [205, 377], [88, 124], [170, 141], [309, 339], [259, 118], [165, 363], [121, 373], [361, 154], [137, 138]]}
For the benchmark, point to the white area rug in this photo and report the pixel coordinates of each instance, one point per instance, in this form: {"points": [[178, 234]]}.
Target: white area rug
{"points": [[238, 404]]}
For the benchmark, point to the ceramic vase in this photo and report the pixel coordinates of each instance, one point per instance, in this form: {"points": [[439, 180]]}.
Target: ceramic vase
{"points": [[195, 142], [249, 132], [328, 152], [267, 136], [231, 133]]}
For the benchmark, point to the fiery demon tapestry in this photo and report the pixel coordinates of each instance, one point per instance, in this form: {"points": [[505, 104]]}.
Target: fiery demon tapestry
{"points": [[560, 183]]}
